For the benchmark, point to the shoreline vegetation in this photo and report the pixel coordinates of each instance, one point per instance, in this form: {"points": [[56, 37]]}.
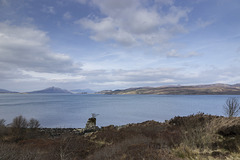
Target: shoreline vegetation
{"points": [[198, 136]]}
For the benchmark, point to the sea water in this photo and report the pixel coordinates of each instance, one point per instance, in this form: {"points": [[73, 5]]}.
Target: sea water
{"points": [[72, 110]]}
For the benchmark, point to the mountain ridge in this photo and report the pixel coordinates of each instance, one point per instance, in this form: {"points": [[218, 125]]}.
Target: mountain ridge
{"points": [[207, 89], [52, 90], [6, 91]]}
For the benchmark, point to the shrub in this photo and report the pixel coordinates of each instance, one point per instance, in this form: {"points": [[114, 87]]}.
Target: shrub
{"points": [[2, 122], [33, 123], [231, 107], [19, 122], [2, 127]]}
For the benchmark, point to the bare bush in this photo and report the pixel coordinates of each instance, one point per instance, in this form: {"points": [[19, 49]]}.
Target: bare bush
{"points": [[15, 152], [19, 125], [33, 123], [231, 107], [3, 129], [115, 151], [2, 122], [19, 122], [64, 149]]}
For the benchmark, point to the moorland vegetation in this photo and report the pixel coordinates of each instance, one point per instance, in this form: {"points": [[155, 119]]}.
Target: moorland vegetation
{"points": [[198, 136]]}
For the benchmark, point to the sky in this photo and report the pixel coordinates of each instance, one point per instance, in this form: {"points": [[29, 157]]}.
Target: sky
{"points": [[113, 44]]}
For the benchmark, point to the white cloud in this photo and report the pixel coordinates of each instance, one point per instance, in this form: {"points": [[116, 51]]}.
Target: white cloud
{"points": [[81, 1], [129, 22], [185, 75], [131, 78], [54, 77], [104, 30], [49, 9], [67, 16], [202, 24], [120, 79], [175, 54], [26, 49]]}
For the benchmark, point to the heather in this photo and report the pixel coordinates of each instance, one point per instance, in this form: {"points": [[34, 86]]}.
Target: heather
{"points": [[197, 136]]}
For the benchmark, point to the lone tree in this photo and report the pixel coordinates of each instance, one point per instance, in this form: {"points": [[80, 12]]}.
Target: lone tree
{"points": [[231, 107]]}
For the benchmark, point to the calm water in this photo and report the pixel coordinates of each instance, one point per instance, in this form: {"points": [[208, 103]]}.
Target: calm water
{"points": [[57, 110]]}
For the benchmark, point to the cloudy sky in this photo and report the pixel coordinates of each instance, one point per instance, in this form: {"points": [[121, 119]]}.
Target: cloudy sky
{"points": [[113, 44]]}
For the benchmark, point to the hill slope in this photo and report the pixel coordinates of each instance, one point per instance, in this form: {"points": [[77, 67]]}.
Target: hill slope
{"points": [[6, 91], [52, 90], [212, 89]]}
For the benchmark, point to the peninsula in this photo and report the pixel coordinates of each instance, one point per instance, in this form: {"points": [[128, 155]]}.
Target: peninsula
{"points": [[211, 89]]}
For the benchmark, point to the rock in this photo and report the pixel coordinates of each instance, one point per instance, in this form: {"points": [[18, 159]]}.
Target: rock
{"points": [[91, 125]]}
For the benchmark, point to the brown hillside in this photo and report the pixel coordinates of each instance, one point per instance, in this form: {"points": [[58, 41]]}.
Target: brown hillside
{"points": [[214, 89]]}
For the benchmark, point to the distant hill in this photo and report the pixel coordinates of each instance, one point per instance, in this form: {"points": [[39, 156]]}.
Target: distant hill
{"points": [[83, 91], [211, 89], [6, 91], [52, 90], [104, 92]]}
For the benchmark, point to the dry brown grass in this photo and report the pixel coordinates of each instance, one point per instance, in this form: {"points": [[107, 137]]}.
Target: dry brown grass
{"points": [[192, 137]]}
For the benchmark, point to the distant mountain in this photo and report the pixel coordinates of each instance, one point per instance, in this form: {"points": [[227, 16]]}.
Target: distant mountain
{"points": [[211, 89], [52, 90], [104, 92], [236, 85], [6, 91], [83, 91]]}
